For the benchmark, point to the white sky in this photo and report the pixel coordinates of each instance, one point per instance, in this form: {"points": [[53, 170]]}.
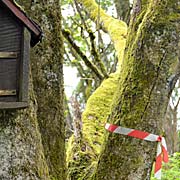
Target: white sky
{"points": [[70, 80]]}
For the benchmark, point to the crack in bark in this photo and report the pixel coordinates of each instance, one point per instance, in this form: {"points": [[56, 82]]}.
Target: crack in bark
{"points": [[153, 86]]}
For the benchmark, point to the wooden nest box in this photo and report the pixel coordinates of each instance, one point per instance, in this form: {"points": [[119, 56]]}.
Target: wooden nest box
{"points": [[17, 33]]}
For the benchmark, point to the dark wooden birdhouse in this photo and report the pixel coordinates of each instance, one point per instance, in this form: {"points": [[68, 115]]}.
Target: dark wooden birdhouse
{"points": [[17, 33]]}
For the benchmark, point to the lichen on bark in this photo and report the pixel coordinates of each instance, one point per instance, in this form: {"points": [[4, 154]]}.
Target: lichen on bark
{"points": [[21, 150]]}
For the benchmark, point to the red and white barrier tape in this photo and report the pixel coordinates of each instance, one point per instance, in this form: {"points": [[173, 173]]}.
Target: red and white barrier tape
{"points": [[162, 154]]}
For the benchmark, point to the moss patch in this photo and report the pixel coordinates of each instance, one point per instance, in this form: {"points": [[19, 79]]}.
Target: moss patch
{"points": [[82, 157]]}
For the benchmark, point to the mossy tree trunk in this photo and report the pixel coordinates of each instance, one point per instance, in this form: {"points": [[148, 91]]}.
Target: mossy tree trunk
{"points": [[21, 150], [150, 61], [48, 83], [42, 137], [147, 75], [82, 153], [47, 63]]}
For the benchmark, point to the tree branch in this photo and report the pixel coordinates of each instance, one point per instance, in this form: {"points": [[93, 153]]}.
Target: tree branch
{"points": [[96, 55], [173, 79], [83, 22], [88, 63], [93, 46], [78, 65], [176, 106], [116, 29]]}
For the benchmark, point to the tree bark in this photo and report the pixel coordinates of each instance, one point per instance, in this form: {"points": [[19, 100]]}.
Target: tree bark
{"points": [[123, 9], [170, 127], [47, 63], [142, 96], [47, 73], [21, 150], [82, 157]]}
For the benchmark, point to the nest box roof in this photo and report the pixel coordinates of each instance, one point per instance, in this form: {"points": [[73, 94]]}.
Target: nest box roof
{"points": [[36, 32]]}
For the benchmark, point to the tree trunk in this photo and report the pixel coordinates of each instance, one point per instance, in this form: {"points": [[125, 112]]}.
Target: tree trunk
{"points": [[123, 9], [46, 63], [142, 96], [170, 127], [21, 151]]}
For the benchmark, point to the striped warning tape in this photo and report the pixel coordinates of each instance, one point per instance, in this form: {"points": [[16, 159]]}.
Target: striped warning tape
{"points": [[162, 154]]}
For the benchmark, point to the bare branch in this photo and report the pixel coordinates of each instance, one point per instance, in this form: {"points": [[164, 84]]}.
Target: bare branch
{"points": [[116, 29], [88, 63]]}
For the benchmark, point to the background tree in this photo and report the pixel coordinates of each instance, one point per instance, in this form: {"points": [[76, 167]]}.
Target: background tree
{"points": [[171, 121], [123, 9]]}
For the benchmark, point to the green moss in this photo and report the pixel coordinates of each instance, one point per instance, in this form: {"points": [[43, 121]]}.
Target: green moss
{"points": [[150, 52], [141, 98], [82, 157], [97, 111]]}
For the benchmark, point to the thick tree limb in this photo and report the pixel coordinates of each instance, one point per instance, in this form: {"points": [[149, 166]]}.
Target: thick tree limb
{"points": [[142, 95]]}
